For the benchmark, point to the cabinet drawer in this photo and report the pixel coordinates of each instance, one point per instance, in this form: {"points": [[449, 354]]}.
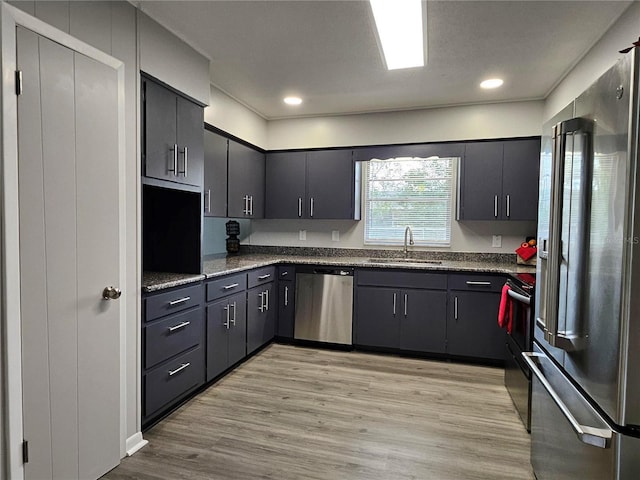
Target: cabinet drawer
{"points": [[226, 286], [482, 283], [171, 380], [173, 302], [399, 279], [172, 335], [261, 275], [287, 272]]}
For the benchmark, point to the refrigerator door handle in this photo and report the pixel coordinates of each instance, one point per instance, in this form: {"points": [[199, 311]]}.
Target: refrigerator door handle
{"points": [[553, 258], [597, 437]]}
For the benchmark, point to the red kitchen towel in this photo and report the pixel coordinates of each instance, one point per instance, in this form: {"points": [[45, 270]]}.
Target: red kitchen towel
{"points": [[505, 312], [526, 252]]}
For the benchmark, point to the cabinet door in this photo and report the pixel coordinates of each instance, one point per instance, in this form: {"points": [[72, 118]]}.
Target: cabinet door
{"points": [[286, 309], [378, 314], [285, 185], [260, 316], [190, 135], [520, 171], [424, 320], [218, 324], [330, 184], [481, 181], [246, 182], [160, 132], [215, 174], [237, 328], [472, 327]]}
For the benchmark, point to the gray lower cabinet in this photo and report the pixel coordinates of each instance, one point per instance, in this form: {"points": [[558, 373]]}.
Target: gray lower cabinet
{"points": [[226, 333], [286, 302], [405, 319], [318, 184], [499, 180], [173, 349], [261, 320], [472, 326]]}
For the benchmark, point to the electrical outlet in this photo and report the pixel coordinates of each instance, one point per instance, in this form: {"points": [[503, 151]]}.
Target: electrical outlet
{"points": [[497, 241], [303, 235], [335, 235]]}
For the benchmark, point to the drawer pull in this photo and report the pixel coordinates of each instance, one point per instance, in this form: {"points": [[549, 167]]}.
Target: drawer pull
{"points": [[483, 284], [263, 277], [179, 369], [178, 327], [233, 285], [284, 274], [179, 301]]}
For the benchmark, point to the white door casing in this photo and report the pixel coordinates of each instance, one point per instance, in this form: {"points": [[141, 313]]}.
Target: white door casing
{"points": [[99, 217]]}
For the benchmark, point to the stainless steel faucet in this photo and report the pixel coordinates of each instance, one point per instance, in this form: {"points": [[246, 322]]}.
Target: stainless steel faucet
{"points": [[406, 247]]}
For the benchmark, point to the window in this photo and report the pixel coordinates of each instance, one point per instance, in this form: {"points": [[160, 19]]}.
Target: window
{"points": [[409, 191]]}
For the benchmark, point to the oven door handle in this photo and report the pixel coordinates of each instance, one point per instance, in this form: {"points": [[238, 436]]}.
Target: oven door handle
{"points": [[520, 298]]}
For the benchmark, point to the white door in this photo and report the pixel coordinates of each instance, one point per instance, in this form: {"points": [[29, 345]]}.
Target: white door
{"points": [[69, 252]]}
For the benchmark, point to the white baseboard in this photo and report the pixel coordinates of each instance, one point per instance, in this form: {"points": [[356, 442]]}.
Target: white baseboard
{"points": [[134, 443]]}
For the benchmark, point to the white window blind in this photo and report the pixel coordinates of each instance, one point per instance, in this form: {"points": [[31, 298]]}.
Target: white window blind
{"points": [[409, 191]]}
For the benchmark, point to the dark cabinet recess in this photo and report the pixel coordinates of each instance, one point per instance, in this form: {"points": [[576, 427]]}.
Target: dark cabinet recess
{"points": [[321, 184], [172, 136], [499, 180]]}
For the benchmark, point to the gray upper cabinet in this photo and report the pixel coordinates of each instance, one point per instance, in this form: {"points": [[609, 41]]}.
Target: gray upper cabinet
{"points": [[317, 184], [499, 180], [172, 136], [246, 179], [215, 174]]}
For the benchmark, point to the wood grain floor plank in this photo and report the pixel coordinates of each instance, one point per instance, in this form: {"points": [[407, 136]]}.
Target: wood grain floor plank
{"points": [[293, 413]]}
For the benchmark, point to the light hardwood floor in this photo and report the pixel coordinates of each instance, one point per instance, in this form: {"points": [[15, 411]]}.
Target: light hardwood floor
{"points": [[301, 413]]}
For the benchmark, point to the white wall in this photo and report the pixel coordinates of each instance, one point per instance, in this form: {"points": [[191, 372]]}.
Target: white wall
{"points": [[469, 122], [598, 60], [231, 116]]}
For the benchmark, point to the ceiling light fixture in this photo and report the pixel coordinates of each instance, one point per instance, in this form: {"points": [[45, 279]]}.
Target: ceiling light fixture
{"points": [[399, 25], [293, 100], [492, 83]]}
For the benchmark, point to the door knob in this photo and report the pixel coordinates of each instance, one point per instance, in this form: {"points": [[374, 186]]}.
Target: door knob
{"points": [[111, 293]]}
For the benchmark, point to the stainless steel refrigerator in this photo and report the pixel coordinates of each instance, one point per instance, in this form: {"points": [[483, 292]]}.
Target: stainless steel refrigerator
{"points": [[586, 361]]}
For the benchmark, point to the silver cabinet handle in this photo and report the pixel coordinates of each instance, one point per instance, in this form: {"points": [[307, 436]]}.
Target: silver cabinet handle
{"points": [[111, 293], [406, 301], [179, 301], [299, 206], [266, 302], [455, 308], [179, 326], [495, 206], [261, 307], [286, 296], [245, 211], [228, 310], [251, 204], [394, 304], [508, 206], [185, 154], [262, 277], [174, 170], [233, 319], [208, 202], [478, 283], [311, 207], [179, 369], [284, 274], [228, 287], [597, 437]]}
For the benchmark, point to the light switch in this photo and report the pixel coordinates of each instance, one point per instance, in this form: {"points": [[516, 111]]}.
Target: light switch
{"points": [[303, 234], [497, 241], [335, 235]]}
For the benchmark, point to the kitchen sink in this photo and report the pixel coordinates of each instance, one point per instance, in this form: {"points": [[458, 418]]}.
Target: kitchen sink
{"points": [[404, 260]]}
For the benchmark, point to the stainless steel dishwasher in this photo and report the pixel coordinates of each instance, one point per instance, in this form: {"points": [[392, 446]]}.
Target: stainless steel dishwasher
{"points": [[324, 305]]}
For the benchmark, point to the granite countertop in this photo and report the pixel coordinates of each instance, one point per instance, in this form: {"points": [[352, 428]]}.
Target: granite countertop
{"points": [[216, 266]]}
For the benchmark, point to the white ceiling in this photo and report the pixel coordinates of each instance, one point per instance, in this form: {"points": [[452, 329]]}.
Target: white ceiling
{"points": [[327, 51]]}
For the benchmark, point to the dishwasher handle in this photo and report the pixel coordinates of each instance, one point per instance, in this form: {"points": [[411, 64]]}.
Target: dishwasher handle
{"points": [[333, 271]]}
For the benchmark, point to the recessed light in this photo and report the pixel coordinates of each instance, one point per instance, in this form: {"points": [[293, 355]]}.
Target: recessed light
{"points": [[293, 100], [399, 26], [492, 83]]}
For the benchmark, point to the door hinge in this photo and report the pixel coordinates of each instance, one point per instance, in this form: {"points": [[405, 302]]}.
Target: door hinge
{"points": [[18, 82], [25, 451]]}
